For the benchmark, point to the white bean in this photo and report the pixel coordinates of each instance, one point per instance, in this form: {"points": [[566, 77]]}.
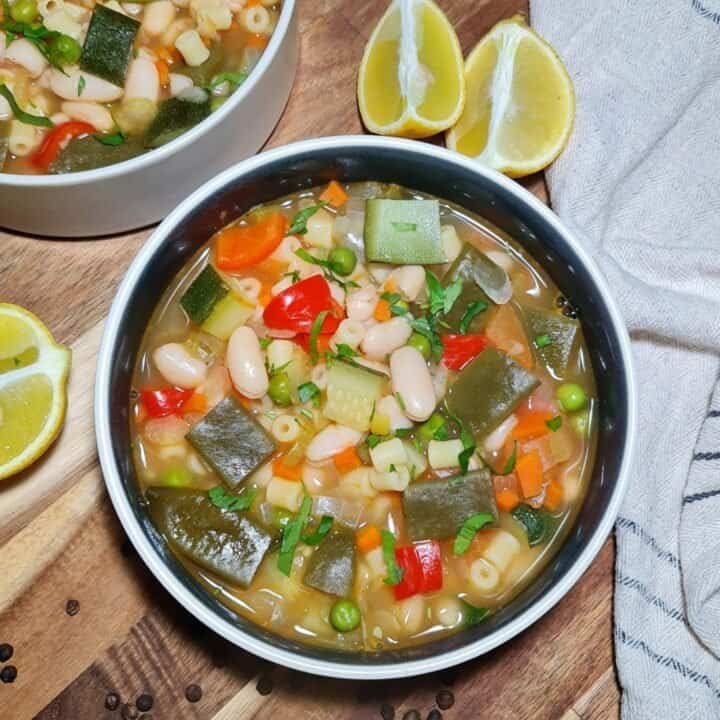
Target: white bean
{"points": [[447, 611], [502, 549], [390, 407], [95, 89], [451, 243], [286, 494], [97, 115], [142, 81], [57, 118], [330, 441], [22, 52], [280, 353], [158, 16], [338, 294], [411, 613], [484, 576], [411, 381], [5, 110], [62, 21], [179, 83], [245, 363], [381, 339], [178, 366], [496, 439], [315, 478], [361, 303], [285, 429], [349, 332], [409, 280]]}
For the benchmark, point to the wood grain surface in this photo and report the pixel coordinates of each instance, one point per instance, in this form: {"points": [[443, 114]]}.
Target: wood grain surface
{"points": [[60, 540]]}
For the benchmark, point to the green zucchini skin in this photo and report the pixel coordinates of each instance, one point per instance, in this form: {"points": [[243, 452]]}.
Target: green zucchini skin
{"points": [[174, 117], [86, 153], [225, 542], [386, 240], [331, 568], [436, 510], [231, 441], [488, 390], [563, 333], [463, 267], [206, 290], [108, 45]]}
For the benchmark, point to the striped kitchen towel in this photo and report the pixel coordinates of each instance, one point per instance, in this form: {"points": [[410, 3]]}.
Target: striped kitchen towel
{"points": [[639, 184]]}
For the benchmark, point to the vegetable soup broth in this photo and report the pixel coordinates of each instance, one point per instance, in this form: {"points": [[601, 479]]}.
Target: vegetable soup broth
{"points": [[178, 61], [383, 477]]}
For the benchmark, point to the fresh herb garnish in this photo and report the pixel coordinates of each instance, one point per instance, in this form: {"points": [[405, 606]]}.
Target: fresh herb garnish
{"points": [[397, 305], [473, 615], [343, 350], [265, 342], [426, 327], [308, 391], [21, 115], [226, 501], [314, 332], [400, 401], [373, 440], [403, 432], [467, 532], [303, 254], [510, 462], [542, 341], [291, 536], [554, 423], [234, 78], [323, 528], [298, 226], [404, 226], [330, 276], [537, 524], [469, 447], [115, 139], [473, 309], [81, 86], [294, 276], [394, 571]]}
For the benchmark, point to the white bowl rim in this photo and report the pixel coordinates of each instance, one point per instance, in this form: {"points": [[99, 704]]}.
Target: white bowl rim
{"points": [[158, 155], [232, 632]]}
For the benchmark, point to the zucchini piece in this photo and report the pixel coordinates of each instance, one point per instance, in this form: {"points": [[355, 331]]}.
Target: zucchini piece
{"points": [[205, 292], [87, 153], [352, 393], [488, 390], [403, 232], [436, 510], [108, 44], [331, 568], [562, 333], [174, 117], [231, 441], [227, 314], [463, 268], [225, 542]]}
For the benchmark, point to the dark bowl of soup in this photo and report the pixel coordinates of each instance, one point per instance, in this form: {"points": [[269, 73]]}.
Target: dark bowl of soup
{"points": [[148, 101], [364, 407]]}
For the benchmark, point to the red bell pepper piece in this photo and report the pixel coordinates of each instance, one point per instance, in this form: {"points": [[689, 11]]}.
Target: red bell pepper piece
{"points": [[297, 307], [164, 401], [56, 140], [459, 350], [422, 569]]}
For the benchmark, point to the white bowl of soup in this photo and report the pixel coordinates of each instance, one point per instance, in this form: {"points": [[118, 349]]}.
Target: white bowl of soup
{"points": [[364, 407], [112, 113]]}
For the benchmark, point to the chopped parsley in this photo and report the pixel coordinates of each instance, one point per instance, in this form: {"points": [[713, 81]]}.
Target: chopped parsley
{"points": [[227, 501], [554, 423]]}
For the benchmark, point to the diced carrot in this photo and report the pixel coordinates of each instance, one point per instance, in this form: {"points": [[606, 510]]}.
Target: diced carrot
{"points": [[530, 473], [265, 295], [288, 472], [242, 247], [368, 538], [382, 311], [196, 403], [530, 426], [553, 495], [252, 3], [347, 460], [390, 285], [507, 500], [163, 72], [257, 41], [334, 194]]}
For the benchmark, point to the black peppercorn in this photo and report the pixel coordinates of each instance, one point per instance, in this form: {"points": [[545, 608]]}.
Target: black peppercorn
{"points": [[411, 715], [144, 702], [445, 699], [6, 652], [434, 715], [72, 607], [387, 712], [193, 693], [264, 685], [8, 674], [112, 701]]}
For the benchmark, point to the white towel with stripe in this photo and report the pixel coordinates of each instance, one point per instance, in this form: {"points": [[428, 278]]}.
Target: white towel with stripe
{"points": [[639, 184]]}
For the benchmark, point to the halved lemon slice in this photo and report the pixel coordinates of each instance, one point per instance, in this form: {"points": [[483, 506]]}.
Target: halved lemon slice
{"points": [[411, 76], [521, 103], [33, 380]]}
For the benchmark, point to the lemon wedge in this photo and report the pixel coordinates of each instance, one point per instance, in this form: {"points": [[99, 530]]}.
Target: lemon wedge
{"points": [[521, 104], [33, 380], [411, 76]]}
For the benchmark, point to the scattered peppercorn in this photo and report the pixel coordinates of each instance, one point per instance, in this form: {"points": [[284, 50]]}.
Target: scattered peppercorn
{"points": [[128, 712], [72, 607], [193, 693], [112, 701], [434, 714], [264, 685], [387, 712], [8, 674], [6, 651], [411, 715], [570, 312], [445, 699], [561, 301], [144, 702]]}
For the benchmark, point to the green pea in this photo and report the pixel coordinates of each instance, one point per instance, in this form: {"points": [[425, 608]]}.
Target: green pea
{"points": [[342, 260], [421, 344], [345, 615], [177, 477], [24, 11], [580, 423], [64, 50], [279, 389], [571, 397]]}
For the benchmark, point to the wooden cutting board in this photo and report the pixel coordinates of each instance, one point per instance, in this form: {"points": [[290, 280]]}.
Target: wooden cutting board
{"points": [[86, 618]]}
